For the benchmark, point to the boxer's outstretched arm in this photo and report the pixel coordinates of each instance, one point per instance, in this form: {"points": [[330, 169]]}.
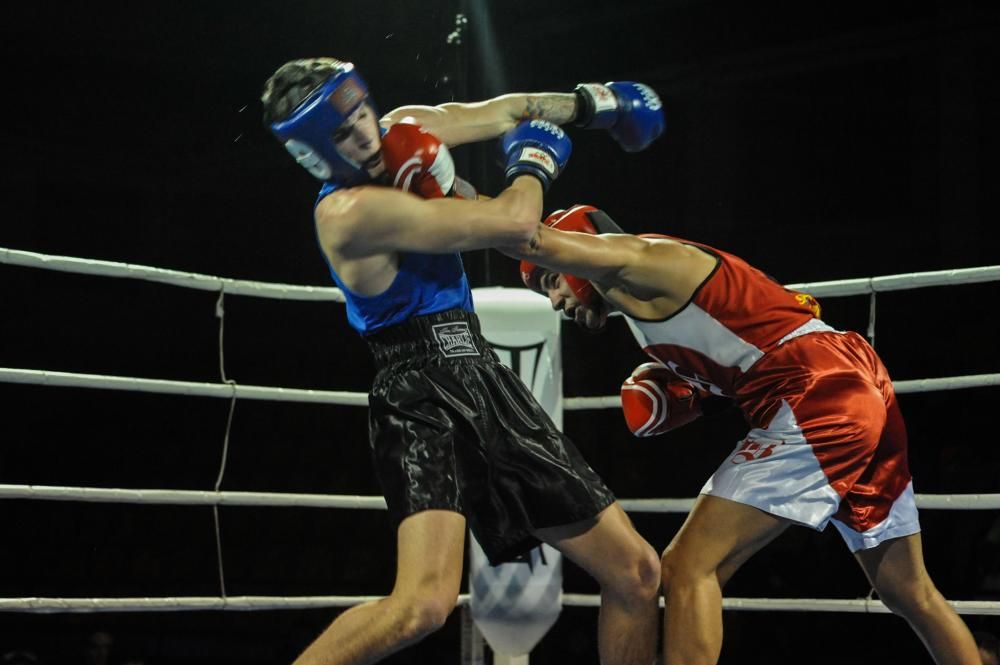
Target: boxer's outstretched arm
{"points": [[599, 258], [647, 268], [458, 123], [365, 221]]}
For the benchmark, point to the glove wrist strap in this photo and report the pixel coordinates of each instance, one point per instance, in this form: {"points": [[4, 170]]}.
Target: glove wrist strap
{"points": [[514, 174], [584, 106], [597, 106]]}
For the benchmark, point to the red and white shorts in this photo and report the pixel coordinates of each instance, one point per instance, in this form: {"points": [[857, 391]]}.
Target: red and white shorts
{"points": [[828, 442]]}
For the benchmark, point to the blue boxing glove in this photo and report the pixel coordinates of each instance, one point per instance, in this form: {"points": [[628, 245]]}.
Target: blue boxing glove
{"points": [[538, 148], [631, 112]]}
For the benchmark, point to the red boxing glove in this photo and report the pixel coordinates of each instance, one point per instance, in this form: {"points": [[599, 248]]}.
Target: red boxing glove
{"points": [[655, 400], [418, 162]]}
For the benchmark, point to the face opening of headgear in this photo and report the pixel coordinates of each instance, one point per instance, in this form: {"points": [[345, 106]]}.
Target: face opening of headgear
{"points": [[582, 219], [307, 132]]}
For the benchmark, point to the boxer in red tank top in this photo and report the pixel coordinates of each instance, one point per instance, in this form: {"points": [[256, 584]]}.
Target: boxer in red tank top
{"points": [[827, 442]]}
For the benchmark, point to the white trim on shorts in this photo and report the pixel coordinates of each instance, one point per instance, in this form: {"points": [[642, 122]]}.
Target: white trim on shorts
{"points": [[775, 470], [902, 521]]}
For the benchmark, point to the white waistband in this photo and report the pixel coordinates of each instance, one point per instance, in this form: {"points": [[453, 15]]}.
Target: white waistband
{"points": [[810, 326]]}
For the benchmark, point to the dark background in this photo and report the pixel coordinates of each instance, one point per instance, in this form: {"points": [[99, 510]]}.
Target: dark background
{"points": [[818, 140]]}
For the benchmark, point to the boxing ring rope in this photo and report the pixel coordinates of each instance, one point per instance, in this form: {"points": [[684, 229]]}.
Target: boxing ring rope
{"points": [[71, 380], [291, 500], [231, 390], [258, 603], [17, 257]]}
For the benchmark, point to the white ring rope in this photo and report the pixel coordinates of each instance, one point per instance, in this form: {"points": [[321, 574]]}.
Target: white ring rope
{"points": [[189, 497], [841, 287], [901, 282], [226, 390], [856, 605], [257, 603], [901, 387], [231, 390], [290, 500], [188, 280], [181, 603]]}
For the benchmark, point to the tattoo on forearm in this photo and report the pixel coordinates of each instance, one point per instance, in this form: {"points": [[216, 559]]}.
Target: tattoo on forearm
{"points": [[555, 107]]}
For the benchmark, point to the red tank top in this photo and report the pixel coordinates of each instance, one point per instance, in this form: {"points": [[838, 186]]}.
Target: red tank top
{"points": [[735, 316]]}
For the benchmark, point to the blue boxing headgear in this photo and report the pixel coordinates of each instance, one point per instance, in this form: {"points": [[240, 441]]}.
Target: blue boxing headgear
{"points": [[307, 133]]}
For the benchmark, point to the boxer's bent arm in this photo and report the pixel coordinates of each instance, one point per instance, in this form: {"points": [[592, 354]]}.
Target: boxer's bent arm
{"points": [[365, 221], [646, 268], [458, 123], [598, 258]]}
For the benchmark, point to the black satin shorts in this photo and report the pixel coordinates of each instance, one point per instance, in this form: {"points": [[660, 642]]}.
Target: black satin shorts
{"points": [[451, 428]]}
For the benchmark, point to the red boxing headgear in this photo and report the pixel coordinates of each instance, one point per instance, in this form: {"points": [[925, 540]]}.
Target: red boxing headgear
{"points": [[583, 219]]}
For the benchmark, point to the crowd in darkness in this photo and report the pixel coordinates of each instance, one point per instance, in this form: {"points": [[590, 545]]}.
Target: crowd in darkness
{"points": [[94, 648]]}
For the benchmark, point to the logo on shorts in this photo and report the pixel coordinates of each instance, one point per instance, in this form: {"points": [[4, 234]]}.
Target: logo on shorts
{"points": [[455, 339], [750, 450]]}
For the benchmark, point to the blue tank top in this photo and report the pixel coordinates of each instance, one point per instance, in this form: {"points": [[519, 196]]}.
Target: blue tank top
{"points": [[425, 284]]}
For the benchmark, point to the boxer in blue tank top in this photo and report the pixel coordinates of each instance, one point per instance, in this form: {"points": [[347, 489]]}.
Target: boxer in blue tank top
{"points": [[456, 437]]}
